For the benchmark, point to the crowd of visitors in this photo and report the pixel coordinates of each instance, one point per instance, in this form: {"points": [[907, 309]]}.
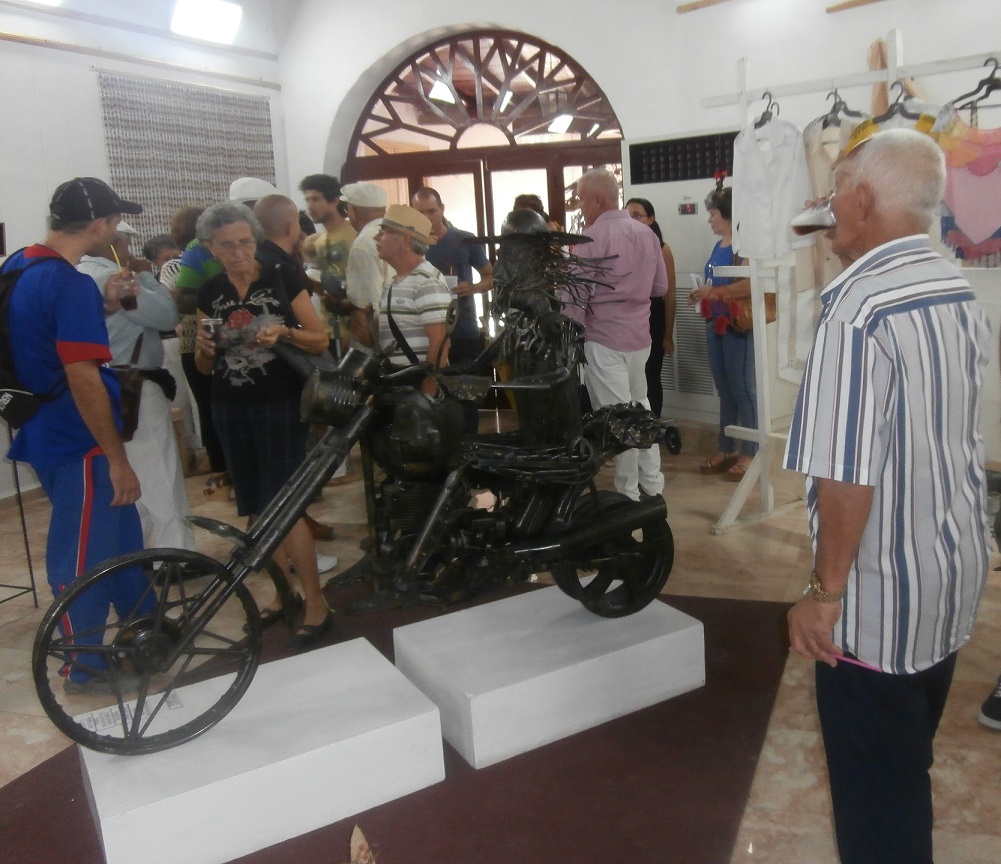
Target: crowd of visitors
{"points": [[402, 276]]}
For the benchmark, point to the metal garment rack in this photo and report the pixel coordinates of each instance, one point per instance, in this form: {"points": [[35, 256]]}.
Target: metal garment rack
{"points": [[760, 470], [30, 588]]}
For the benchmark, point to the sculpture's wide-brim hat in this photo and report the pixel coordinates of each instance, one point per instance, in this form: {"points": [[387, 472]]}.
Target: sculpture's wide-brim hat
{"points": [[527, 226]]}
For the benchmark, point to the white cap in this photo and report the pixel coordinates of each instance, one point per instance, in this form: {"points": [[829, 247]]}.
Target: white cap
{"points": [[250, 189], [364, 195], [125, 228]]}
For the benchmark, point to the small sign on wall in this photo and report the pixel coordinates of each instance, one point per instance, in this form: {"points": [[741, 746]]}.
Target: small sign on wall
{"points": [[688, 208]]}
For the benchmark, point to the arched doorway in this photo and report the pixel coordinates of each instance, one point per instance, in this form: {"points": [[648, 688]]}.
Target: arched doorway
{"points": [[483, 116]]}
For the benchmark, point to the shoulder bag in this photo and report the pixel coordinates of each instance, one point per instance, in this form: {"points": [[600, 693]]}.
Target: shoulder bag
{"points": [[741, 319], [303, 362], [130, 380]]}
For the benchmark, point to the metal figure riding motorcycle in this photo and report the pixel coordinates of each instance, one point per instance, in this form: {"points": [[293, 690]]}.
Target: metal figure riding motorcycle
{"points": [[448, 516]]}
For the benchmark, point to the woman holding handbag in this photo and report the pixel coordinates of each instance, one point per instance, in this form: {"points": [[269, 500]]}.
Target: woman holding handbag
{"points": [[730, 347], [255, 393]]}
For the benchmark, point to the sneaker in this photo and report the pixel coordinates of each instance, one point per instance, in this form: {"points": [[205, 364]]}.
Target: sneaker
{"points": [[100, 685], [325, 563], [990, 711]]}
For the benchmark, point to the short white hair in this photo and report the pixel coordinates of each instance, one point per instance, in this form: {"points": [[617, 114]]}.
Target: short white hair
{"points": [[603, 182], [905, 170]]}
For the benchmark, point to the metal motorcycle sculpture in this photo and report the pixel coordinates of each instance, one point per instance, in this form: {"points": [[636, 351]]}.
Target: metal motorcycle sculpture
{"points": [[429, 538]]}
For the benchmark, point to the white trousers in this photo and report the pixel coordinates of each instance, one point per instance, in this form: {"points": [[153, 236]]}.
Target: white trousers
{"points": [[614, 377], [183, 400], [152, 454]]}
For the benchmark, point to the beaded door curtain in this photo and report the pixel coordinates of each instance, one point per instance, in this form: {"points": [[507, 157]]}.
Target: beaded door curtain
{"points": [[171, 144]]}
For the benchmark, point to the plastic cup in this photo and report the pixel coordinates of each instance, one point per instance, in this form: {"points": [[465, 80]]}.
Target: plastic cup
{"points": [[452, 282], [816, 218]]}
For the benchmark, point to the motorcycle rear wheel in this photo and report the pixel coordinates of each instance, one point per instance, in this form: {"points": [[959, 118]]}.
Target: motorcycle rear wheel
{"points": [[619, 576]]}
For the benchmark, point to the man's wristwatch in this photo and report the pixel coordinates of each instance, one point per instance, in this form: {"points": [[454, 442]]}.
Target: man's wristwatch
{"points": [[817, 592]]}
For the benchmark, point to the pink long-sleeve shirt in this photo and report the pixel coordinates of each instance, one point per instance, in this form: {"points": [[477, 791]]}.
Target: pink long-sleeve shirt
{"points": [[619, 318]]}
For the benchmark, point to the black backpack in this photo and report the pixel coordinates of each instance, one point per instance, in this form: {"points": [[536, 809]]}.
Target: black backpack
{"points": [[17, 404]]}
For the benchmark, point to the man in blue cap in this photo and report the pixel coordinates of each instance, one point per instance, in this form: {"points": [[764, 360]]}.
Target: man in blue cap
{"points": [[59, 343]]}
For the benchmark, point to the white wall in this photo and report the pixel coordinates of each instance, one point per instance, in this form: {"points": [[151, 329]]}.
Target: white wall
{"points": [[654, 65], [52, 127]]}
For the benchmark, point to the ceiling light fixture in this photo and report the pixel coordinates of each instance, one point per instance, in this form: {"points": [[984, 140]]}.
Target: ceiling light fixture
{"points": [[440, 92], [561, 123], [593, 129], [508, 96], [208, 20]]}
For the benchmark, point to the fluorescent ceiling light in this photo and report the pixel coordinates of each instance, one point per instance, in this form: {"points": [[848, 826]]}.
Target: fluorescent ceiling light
{"points": [[441, 93], [561, 123], [508, 96], [593, 129], [209, 20]]}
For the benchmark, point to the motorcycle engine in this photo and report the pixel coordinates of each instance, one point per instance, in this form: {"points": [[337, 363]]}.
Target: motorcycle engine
{"points": [[422, 440]]}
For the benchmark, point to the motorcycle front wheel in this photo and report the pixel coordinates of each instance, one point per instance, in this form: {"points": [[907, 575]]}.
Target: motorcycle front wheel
{"points": [[116, 686], [620, 575]]}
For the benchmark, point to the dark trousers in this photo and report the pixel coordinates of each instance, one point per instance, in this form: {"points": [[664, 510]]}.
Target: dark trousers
{"points": [[878, 731], [201, 389]]}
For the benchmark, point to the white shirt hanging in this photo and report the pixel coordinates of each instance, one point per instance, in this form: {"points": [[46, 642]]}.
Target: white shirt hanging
{"points": [[770, 184]]}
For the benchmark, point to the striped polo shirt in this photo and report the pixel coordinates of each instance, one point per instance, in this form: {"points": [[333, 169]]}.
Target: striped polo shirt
{"points": [[420, 298], [891, 399]]}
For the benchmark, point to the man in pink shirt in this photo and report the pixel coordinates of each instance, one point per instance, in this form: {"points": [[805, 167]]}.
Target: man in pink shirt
{"points": [[618, 333]]}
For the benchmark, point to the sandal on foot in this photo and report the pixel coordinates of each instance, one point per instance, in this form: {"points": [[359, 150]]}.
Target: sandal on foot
{"points": [[717, 465], [309, 634], [736, 472], [214, 484]]}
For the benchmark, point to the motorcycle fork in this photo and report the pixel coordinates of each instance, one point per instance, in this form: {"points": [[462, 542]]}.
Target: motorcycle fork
{"points": [[455, 485]]}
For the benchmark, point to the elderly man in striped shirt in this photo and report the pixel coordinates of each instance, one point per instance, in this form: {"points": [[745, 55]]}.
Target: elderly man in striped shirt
{"points": [[886, 428], [415, 299]]}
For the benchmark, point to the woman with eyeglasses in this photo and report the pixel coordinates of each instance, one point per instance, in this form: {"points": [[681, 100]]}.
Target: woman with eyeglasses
{"points": [[663, 310], [255, 393]]}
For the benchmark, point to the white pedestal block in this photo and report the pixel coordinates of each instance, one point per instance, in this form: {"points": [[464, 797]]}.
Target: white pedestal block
{"points": [[518, 673], [317, 738]]}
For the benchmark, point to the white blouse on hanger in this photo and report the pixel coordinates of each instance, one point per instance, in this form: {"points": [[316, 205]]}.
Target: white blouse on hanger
{"points": [[770, 184]]}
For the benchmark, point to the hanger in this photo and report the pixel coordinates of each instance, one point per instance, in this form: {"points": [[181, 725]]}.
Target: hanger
{"points": [[898, 106], [988, 85], [767, 114], [839, 108]]}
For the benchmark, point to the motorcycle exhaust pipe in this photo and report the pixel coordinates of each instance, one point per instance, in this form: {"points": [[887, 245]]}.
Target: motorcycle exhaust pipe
{"points": [[607, 524]]}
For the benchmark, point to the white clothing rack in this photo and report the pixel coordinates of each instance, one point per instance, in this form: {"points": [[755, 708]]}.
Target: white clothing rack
{"points": [[760, 469]]}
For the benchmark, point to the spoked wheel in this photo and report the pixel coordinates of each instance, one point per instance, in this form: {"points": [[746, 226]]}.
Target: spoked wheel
{"points": [[115, 649], [619, 576]]}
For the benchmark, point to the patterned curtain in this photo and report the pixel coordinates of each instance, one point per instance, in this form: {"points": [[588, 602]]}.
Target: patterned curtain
{"points": [[172, 144]]}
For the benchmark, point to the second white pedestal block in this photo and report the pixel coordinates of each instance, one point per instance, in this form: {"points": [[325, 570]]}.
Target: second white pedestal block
{"points": [[518, 673], [316, 738]]}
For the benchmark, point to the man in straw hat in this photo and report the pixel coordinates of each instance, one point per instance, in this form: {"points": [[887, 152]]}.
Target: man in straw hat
{"points": [[415, 302]]}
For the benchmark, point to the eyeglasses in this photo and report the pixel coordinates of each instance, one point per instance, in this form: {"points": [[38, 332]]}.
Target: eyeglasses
{"points": [[232, 245]]}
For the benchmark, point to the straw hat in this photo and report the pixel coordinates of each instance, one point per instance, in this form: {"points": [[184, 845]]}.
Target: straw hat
{"points": [[408, 221]]}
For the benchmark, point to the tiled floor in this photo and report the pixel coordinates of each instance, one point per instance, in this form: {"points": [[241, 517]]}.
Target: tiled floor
{"points": [[787, 816]]}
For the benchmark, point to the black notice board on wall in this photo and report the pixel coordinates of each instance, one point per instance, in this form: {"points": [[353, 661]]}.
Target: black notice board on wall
{"points": [[696, 158]]}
